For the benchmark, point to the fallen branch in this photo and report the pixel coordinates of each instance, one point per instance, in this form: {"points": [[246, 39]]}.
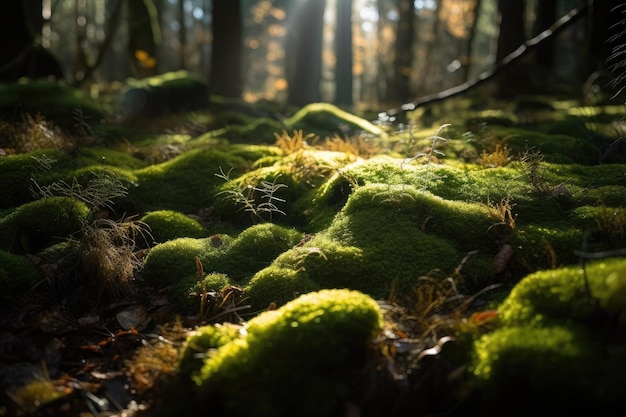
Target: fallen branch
{"points": [[557, 27]]}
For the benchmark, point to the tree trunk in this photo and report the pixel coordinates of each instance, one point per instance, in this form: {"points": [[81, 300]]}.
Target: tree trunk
{"points": [[343, 53], [513, 79], [469, 51], [304, 51], [404, 52], [182, 35], [142, 28], [546, 16], [225, 79], [20, 56]]}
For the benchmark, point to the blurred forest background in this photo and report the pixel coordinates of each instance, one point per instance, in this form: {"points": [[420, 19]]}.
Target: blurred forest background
{"points": [[362, 54]]}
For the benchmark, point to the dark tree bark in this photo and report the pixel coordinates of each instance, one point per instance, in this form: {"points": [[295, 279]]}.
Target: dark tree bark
{"points": [[182, 35], [404, 51], [143, 35], [469, 52], [225, 78], [343, 53], [304, 51], [607, 21], [20, 55], [513, 79], [546, 16]]}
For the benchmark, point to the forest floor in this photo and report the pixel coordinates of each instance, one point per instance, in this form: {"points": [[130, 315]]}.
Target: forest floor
{"points": [[81, 341]]}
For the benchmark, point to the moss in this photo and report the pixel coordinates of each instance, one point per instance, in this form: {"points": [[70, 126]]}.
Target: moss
{"points": [[202, 340], [553, 369], [186, 292], [544, 247], [553, 349], [186, 183], [561, 294], [296, 174], [277, 285], [42, 223], [259, 131], [168, 224], [301, 359], [239, 258], [256, 247], [18, 275], [327, 119], [169, 262], [56, 101], [378, 249], [162, 94]]}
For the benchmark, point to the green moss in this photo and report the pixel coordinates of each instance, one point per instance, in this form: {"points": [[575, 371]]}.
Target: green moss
{"points": [[277, 285], [18, 275], [164, 93], [42, 223], [168, 224], [256, 247], [259, 131], [169, 262], [552, 369], [252, 250], [186, 183], [561, 294], [56, 101], [326, 119], [186, 292], [200, 341], [554, 347], [301, 359], [544, 247]]}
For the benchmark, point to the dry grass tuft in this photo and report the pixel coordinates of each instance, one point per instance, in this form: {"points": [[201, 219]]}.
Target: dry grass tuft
{"points": [[291, 144], [108, 255]]}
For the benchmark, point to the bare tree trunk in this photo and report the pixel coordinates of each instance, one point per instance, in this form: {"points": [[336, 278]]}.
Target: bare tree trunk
{"points": [[343, 53], [404, 51], [513, 79], [182, 35], [304, 51], [142, 37], [546, 16], [467, 66], [225, 78]]}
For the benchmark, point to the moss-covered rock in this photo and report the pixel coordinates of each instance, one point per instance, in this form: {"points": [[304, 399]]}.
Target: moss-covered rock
{"points": [[239, 258], [18, 275], [162, 94], [326, 120], [42, 223], [59, 102], [555, 349], [166, 225], [303, 359], [187, 292]]}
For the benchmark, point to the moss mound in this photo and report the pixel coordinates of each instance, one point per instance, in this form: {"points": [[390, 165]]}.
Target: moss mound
{"points": [[42, 223], [555, 349], [169, 224], [307, 356]]}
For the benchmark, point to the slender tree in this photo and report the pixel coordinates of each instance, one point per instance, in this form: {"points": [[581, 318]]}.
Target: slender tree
{"points": [[546, 16], [304, 50], [513, 79], [143, 36], [225, 78], [343, 53], [404, 51], [20, 53]]}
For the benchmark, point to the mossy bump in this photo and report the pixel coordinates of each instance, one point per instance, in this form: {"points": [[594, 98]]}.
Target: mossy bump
{"points": [[300, 359]]}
